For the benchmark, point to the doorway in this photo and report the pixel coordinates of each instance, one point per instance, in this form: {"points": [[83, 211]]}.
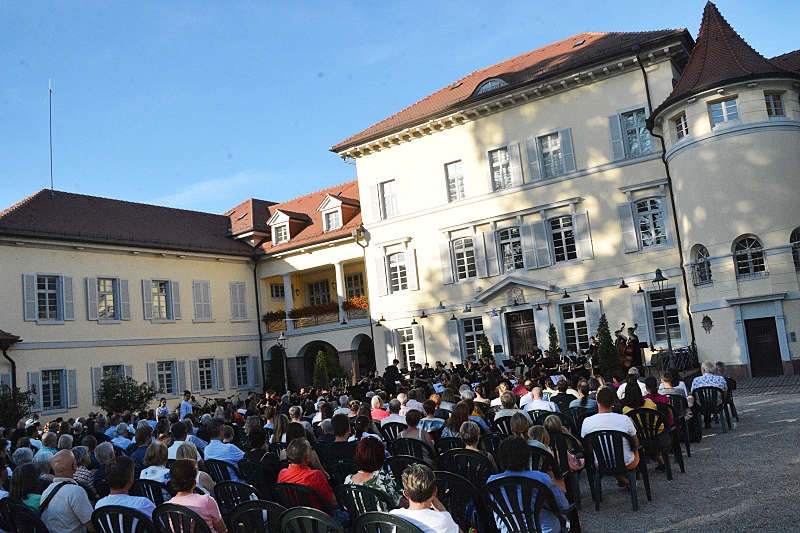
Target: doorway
{"points": [[762, 343], [521, 332]]}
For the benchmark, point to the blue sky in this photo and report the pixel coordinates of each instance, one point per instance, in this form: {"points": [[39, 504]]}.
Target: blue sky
{"points": [[203, 104]]}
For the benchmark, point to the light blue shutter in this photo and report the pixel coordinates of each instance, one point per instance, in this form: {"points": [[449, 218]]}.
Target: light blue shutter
{"points": [[514, 164], [541, 243], [532, 152], [242, 300], [583, 238], [128, 371], [528, 245], [446, 262], [640, 317], [91, 298], [232, 376], [630, 242], [175, 294], [567, 152], [617, 143], [411, 270], [35, 388], [30, 310], [381, 283], [233, 291], [152, 376], [194, 371], [180, 370], [67, 296], [389, 344], [147, 299], [96, 376], [419, 344], [255, 371], [454, 337], [593, 312], [124, 300], [490, 252], [480, 255], [196, 300], [220, 370], [72, 388]]}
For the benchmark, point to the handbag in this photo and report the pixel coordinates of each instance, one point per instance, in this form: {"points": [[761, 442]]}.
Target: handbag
{"points": [[575, 460]]}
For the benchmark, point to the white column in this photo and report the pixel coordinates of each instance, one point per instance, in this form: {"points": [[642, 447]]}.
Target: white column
{"points": [[288, 299], [340, 290]]}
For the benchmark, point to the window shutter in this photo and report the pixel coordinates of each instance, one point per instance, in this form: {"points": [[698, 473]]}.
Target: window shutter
{"points": [[220, 370], [480, 255], [377, 213], [175, 294], [147, 299], [91, 298], [180, 371], [593, 312], [68, 298], [662, 202], [419, 343], [388, 340], [5, 381], [528, 245], [411, 270], [541, 243], [639, 311], [583, 237], [532, 151], [567, 152], [514, 164], [242, 300], [124, 300], [490, 251], [630, 242], [232, 376], [72, 388], [447, 265], [128, 371], [196, 300], [152, 378], [96, 375], [29, 297], [541, 323], [255, 371], [617, 144], [209, 315], [194, 371], [35, 387], [381, 283], [454, 337], [234, 294]]}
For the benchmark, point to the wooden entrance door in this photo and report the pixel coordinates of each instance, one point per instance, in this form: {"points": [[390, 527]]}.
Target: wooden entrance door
{"points": [[521, 332], [762, 343]]}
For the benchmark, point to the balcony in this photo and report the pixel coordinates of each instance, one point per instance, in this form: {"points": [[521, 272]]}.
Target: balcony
{"points": [[316, 315]]}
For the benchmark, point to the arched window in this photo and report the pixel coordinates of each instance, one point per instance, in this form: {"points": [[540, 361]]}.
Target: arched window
{"points": [[702, 265], [794, 239], [490, 85], [748, 255]]}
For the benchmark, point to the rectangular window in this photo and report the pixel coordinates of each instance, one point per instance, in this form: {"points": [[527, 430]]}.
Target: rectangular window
{"points": [[354, 285], [242, 377], [388, 198], [52, 390], [650, 222], [114, 370], [238, 295], [774, 105], [576, 332], [637, 138], [162, 307], [455, 181], [464, 255], [563, 239], [107, 299], [398, 276], [405, 345], [276, 291], [333, 220], [47, 297], [681, 126], [281, 234], [166, 377], [473, 329], [206, 373], [552, 159], [723, 111], [501, 169], [510, 249], [657, 306], [319, 293]]}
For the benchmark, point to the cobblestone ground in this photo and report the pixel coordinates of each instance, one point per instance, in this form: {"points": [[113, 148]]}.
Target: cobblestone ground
{"points": [[744, 480]]}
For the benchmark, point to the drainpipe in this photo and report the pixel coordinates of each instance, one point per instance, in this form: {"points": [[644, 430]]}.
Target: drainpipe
{"points": [[258, 313], [671, 196], [13, 369]]}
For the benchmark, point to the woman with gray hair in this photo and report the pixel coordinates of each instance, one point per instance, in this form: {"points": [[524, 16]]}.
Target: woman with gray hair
{"points": [[104, 453], [65, 442], [42, 463], [470, 434], [83, 476], [22, 456]]}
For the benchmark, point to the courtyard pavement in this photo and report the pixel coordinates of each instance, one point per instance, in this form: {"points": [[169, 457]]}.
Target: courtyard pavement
{"points": [[744, 480]]}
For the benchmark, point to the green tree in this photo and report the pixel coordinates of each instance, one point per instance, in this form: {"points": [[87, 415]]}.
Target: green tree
{"points": [[484, 347], [321, 378], [335, 368], [552, 336], [122, 393], [607, 355], [15, 404]]}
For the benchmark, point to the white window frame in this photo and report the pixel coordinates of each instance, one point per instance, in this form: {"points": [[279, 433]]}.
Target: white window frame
{"points": [[332, 225], [641, 136], [562, 235], [729, 112], [574, 326], [505, 180], [672, 310], [681, 127], [702, 267], [277, 291], [517, 254], [242, 367], [774, 102], [354, 285], [58, 291], [464, 263], [63, 390], [115, 368], [548, 148], [405, 345], [387, 194], [206, 372], [454, 180], [168, 314], [115, 297], [651, 215], [754, 257], [172, 372], [472, 330], [397, 273], [318, 292], [280, 233]]}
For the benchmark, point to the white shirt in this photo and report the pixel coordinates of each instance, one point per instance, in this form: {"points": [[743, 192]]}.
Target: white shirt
{"points": [[541, 405], [621, 389], [496, 402], [155, 473], [342, 411], [428, 520], [525, 399], [186, 408], [710, 380], [69, 509], [612, 421], [133, 502], [681, 385], [394, 418], [172, 451], [414, 404]]}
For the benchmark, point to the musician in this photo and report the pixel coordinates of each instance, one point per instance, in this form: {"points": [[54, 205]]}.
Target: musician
{"points": [[391, 375], [186, 404], [635, 348]]}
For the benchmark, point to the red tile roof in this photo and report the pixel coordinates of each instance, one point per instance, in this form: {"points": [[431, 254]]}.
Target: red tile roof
{"points": [[73, 217], [534, 66], [250, 215], [307, 206], [788, 61], [720, 56]]}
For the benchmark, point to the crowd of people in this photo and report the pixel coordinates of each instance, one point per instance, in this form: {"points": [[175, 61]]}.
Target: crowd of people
{"points": [[65, 469]]}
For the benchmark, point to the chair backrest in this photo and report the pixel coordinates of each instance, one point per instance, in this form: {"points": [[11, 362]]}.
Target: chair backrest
{"points": [[517, 502], [152, 490], [398, 463], [608, 451], [562, 403], [470, 464], [392, 430], [308, 520], [542, 461], [171, 518], [119, 452], [578, 414], [538, 415], [491, 442], [119, 519], [6, 523], [358, 499], [708, 399], [649, 423], [561, 443], [277, 447], [229, 494], [23, 518], [256, 516], [413, 447], [377, 522], [679, 404], [296, 495], [566, 420], [503, 425], [340, 469], [220, 470], [448, 443], [459, 496]]}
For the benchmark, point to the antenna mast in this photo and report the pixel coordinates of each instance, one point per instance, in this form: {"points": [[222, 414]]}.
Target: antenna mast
{"points": [[50, 94]]}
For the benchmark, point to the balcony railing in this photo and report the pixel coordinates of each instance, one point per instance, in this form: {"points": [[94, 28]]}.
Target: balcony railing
{"points": [[307, 317]]}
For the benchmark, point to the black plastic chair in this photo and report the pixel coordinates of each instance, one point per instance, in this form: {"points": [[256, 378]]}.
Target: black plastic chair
{"points": [[221, 471], [541, 460], [413, 447], [503, 425], [448, 443], [256, 516], [469, 464], [358, 499], [607, 447], [680, 408], [561, 444], [491, 442], [22, 518], [308, 520], [578, 414], [729, 398], [710, 402], [277, 447], [397, 463], [229, 494], [171, 518], [6, 523], [517, 503], [118, 519], [538, 415], [654, 435], [152, 490], [566, 420], [459, 497], [339, 470], [295, 495], [392, 430], [377, 522], [668, 413], [256, 475]]}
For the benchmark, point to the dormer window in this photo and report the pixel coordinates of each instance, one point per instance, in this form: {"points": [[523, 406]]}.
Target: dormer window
{"points": [[280, 234], [332, 220], [490, 85]]}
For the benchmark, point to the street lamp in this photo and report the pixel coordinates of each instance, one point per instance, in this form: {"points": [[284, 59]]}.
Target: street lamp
{"points": [[659, 281], [282, 344]]}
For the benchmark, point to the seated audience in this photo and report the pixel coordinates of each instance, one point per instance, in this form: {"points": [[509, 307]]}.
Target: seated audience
{"points": [[155, 461], [340, 448], [69, 509], [430, 422], [424, 509], [394, 413], [220, 451], [25, 486], [120, 478], [183, 479], [470, 435], [607, 419], [539, 404], [369, 458]]}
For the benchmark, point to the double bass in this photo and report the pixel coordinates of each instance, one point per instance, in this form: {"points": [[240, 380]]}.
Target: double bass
{"points": [[625, 348]]}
